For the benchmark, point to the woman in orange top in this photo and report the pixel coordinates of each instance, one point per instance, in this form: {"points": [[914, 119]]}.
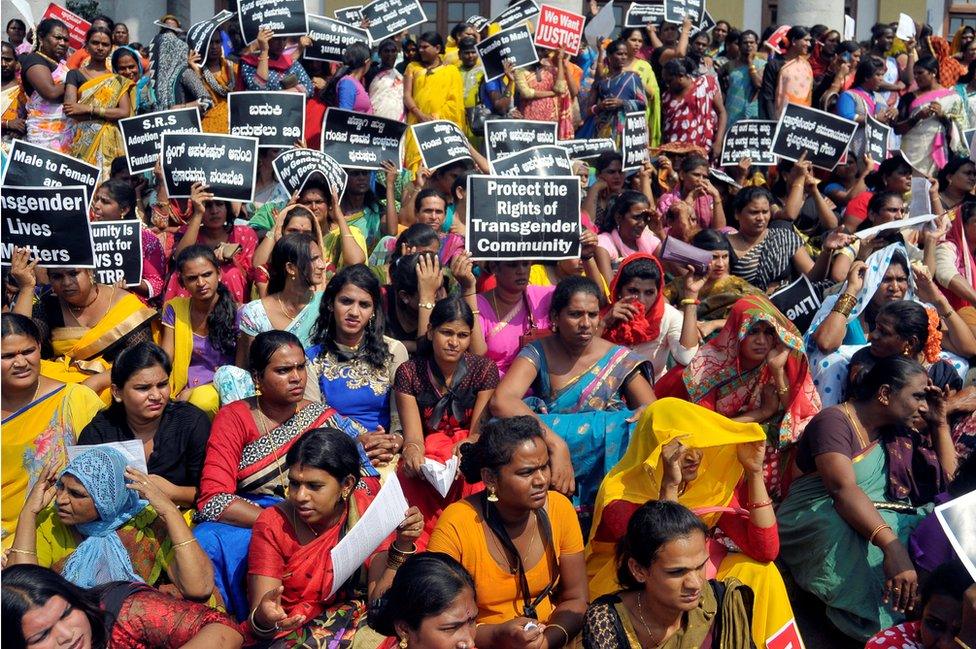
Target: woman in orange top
{"points": [[518, 540]]}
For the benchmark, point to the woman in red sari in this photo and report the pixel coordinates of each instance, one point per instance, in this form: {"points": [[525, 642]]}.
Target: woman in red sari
{"points": [[694, 111], [754, 370], [295, 600]]}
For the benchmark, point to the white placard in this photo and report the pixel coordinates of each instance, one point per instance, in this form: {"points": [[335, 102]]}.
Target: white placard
{"points": [[958, 519], [900, 224], [132, 449], [440, 475], [849, 27], [921, 202], [906, 27]]}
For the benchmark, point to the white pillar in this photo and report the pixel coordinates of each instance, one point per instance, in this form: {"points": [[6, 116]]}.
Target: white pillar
{"points": [[810, 12]]}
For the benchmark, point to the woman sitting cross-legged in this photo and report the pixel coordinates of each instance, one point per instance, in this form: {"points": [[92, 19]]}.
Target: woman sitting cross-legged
{"points": [[109, 522], [293, 597], [520, 541], [666, 601]]}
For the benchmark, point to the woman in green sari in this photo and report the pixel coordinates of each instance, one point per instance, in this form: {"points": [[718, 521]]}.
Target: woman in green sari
{"points": [[845, 523]]}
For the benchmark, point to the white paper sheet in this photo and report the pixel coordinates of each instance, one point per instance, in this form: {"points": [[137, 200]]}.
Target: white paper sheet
{"points": [[906, 27], [132, 449], [440, 475], [921, 203], [25, 10], [601, 26], [384, 514], [900, 224], [958, 519], [849, 26]]}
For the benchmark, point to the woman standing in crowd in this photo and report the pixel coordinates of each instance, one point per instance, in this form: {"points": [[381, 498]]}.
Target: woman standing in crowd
{"points": [[932, 120], [270, 68], [43, 73], [693, 109], [545, 91], [346, 90], [743, 78], [431, 90], [386, 86], [788, 80], [220, 78], [614, 95]]}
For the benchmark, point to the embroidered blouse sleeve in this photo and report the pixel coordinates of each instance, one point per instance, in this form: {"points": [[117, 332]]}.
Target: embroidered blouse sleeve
{"points": [[218, 481]]}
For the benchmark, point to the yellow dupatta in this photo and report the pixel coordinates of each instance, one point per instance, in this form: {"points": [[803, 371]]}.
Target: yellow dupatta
{"points": [[637, 476], [99, 141], [78, 350], [183, 344]]}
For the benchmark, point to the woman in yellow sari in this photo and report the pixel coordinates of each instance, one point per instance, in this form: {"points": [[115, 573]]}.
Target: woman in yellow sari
{"points": [[713, 466], [41, 416], [96, 98], [89, 325], [634, 36], [219, 79], [431, 90]]}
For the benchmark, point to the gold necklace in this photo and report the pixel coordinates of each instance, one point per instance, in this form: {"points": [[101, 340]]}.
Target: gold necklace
{"points": [[45, 56], [264, 423], [281, 307], [640, 616]]}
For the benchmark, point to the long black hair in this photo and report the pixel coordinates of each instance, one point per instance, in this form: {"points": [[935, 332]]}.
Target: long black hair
{"points": [[295, 248], [354, 56], [26, 587], [221, 323], [373, 349]]}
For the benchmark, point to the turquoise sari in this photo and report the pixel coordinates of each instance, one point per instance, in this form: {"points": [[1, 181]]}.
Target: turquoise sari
{"points": [[829, 559], [589, 413]]}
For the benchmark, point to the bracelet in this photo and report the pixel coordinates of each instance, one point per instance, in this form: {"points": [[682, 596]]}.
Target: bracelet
{"points": [[395, 550], [419, 447], [876, 531], [845, 304], [426, 305], [561, 628], [475, 312], [469, 294], [690, 302], [184, 543], [948, 314], [257, 629], [759, 505], [29, 553], [393, 561], [954, 639], [783, 391]]}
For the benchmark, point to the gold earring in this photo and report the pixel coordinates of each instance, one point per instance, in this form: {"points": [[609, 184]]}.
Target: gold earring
{"points": [[403, 642], [492, 496]]}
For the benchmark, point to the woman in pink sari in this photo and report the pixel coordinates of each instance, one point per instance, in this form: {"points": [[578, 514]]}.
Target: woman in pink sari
{"points": [[932, 120], [862, 100], [545, 93]]}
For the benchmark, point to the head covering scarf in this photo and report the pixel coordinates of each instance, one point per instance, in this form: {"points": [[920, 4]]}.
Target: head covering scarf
{"points": [[167, 55], [637, 477], [965, 264], [101, 557], [644, 327], [950, 69]]}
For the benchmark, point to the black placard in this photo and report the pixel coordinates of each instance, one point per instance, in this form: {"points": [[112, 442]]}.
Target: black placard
{"points": [[199, 34], [330, 38], [516, 14], [277, 119], [749, 138], [29, 165], [706, 25], [523, 218], [503, 137], [390, 17], [294, 167], [513, 45], [51, 222], [588, 149], [227, 164], [877, 136], [824, 137], [441, 142], [362, 141], [676, 10], [798, 301], [634, 146], [547, 161], [283, 17], [118, 251], [642, 14], [350, 15], [142, 134]]}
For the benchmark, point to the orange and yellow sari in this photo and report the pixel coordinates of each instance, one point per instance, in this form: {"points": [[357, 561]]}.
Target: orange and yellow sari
{"points": [[99, 141]]}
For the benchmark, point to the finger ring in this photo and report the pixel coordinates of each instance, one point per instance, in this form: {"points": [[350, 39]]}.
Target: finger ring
{"points": [[897, 590]]}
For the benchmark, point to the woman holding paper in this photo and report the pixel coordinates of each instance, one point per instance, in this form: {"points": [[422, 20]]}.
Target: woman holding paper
{"points": [[109, 522], [442, 396], [294, 598], [932, 120], [431, 90]]}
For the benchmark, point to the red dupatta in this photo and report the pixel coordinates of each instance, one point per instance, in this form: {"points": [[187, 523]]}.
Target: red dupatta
{"points": [[644, 327], [965, 264]]}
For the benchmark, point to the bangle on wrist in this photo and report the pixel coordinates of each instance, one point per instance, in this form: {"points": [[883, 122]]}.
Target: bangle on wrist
{"points": [[759, 505], [688, 301], [877, 530], [30, 553], [258, 629]]}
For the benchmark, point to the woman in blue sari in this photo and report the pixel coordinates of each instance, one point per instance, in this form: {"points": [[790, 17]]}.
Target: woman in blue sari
{"points": [[585, 390], [613, 97]]}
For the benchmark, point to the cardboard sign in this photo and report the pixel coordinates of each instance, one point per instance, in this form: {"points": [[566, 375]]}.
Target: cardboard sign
{"points": [[51, 222], [788, 637], [642, 14], [798, 302], [362, 141], [588, 149], [634, 147], [142, 134], [676, 10], [390, 17], [749, 138], [350, 15], [545, 161], [441, 142], [277, 119], [295, 167], [199, 34], [226, 164], [877, 137], [516, 14], [514, 45], [330, 38], [29, 165], [706, 25], [118, 251], [906, 27], [523, 218], [721, 176], [601, 25], [958, 520], [921, 202], [503, 137], [559, 29], [77, 26], [900, 224], [823, 136], [283, 17]]}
